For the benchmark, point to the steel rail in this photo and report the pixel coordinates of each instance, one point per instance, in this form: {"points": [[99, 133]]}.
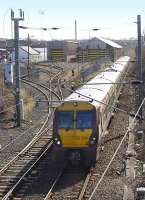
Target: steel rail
{"points": [[38, 134], [32, 142], [59, 87], [81, 196], [50, 87], [45, 87], [29, 146], [30, 168], [50, 91], [84, 187], [54, 184]]}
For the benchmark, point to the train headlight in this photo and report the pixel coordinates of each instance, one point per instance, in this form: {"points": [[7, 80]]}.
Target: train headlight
{"points": [[58, 142], [93, 141]]}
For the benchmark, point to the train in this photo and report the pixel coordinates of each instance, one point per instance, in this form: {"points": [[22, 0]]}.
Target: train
{"points": [[80, 122]]}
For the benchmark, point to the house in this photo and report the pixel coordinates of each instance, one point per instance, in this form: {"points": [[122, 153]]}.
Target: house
{"points": [[43, 53], [26, 52]]}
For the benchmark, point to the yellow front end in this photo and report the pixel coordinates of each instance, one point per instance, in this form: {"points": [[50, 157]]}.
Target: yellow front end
{"points": [[75, 136]]}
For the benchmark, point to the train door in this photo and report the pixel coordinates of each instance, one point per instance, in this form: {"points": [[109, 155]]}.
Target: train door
{"points": [[100, 124]]}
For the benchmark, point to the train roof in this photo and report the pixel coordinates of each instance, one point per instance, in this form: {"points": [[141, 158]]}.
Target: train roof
{"points": [[93, 91]]}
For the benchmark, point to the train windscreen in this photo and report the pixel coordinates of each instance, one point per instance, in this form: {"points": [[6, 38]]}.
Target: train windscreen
{"points": [[65, 119], [84, 119]]}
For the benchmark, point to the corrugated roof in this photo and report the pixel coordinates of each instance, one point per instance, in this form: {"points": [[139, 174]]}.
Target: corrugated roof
{"points": [[2, 49], [109, 42], [41, 50], [31, 50]]}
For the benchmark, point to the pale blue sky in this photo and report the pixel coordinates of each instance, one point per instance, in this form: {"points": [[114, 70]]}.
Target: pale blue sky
{"points": [[114, 17]]}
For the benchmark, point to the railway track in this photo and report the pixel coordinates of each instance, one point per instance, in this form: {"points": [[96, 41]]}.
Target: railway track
{"points": [[77, 187], [13, 172], [74, 173], [9, 148], [78, 183], [55, 91], [67, 185]]}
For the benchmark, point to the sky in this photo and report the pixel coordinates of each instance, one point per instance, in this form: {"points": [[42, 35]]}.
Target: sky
{"points": [[115, 18]]}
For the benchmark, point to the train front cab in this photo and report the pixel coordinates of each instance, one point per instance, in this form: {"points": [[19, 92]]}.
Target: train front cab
{"points": [[75, 132]]}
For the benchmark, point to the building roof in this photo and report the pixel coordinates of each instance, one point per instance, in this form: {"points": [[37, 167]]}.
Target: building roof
{"points": [[110, 43], [2, 49], [31, 50], [40, 50], [72, 41]]}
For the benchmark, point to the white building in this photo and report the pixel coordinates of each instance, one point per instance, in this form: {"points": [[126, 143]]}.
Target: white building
{"points": [[43, 53], [34, 56]]}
